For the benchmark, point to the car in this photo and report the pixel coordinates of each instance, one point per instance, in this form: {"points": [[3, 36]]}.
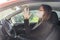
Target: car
{"points": [[12, 20]]}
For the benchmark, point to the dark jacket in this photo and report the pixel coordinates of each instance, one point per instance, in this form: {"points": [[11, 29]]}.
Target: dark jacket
{"points": [[43, 30]]}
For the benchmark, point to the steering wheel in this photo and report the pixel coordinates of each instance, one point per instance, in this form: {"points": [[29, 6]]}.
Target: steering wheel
{"points": [[6, 28], [6, 31]]}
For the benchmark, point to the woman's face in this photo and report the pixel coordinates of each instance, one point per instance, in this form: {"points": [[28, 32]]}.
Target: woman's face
{"points": [[41, 12]]}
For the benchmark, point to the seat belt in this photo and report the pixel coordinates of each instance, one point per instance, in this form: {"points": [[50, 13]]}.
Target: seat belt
{"points": [[37, 25]]}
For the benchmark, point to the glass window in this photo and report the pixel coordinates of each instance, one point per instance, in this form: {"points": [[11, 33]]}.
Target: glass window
{"points": [[9, 11], [4, 13]]}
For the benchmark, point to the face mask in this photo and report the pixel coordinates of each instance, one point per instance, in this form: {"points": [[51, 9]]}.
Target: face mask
{"points": [[40, 14]]}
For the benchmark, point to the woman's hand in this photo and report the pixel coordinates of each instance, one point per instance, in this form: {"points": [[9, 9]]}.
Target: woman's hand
{"points": [[26, 13]]}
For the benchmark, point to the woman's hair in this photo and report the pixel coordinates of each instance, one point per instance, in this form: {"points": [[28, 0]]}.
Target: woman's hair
{"points": [[48, 11], [46, 7]]}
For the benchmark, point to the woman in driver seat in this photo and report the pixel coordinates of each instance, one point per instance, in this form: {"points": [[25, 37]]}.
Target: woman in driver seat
{"points": [[48, 19]]}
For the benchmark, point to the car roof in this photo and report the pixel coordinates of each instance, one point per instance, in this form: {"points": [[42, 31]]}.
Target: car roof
{"points": [[19, 2]]}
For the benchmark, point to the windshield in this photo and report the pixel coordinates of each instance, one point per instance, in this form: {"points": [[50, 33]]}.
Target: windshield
{"points": [[4, 13], [8, 11]]}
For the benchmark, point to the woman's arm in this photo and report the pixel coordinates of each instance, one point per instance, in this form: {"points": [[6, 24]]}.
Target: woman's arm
{"points": [[26, 23], [26, 20]]}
